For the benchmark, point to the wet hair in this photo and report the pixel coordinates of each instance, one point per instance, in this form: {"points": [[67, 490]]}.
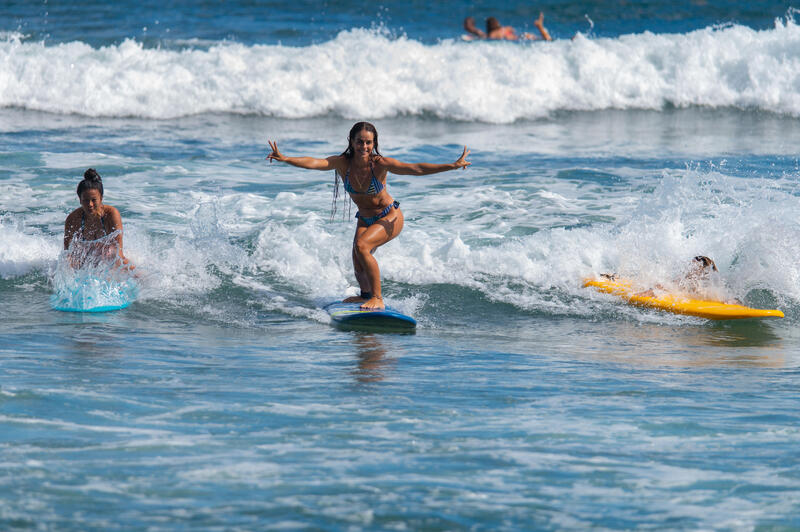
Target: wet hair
{"points": [[348, 154], [706, 262], [91, 181], [492, 24], [355, 130]]}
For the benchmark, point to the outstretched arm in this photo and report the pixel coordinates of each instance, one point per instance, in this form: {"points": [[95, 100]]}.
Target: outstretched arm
{"points": [[469, 25], [396, 167], [116, 226], [309, 163], [539, 23]]}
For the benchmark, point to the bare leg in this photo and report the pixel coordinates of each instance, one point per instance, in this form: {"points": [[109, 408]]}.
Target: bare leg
{"points": [[368, 239], [361, 276], [539, 23]]}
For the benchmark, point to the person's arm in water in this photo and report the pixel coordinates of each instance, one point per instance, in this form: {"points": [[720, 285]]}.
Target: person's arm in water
{"points": [[309, 163], [469, 25], [396, 167], [71, 226], [115, 223], [539, 23]]}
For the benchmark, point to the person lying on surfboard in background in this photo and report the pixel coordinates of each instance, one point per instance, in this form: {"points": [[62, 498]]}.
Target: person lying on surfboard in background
{"points": [[363, 172], [696, 282], [93, 232], [496, 31]]}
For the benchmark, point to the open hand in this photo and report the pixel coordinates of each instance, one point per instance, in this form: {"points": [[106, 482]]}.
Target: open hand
{"points": [[462, 161]]}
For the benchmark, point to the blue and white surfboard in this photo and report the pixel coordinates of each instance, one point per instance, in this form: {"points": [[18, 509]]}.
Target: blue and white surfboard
{"points": [[351, 315]]}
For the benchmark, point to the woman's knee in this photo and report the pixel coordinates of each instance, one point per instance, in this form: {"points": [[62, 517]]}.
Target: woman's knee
{"points": [[362, 247]]}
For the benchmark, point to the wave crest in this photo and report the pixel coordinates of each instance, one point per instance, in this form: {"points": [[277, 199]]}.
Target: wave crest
{"points": [[367, 74]]}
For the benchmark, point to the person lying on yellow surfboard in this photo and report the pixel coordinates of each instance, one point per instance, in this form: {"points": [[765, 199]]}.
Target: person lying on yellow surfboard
{"points": [[696, 293], [701, 281]]}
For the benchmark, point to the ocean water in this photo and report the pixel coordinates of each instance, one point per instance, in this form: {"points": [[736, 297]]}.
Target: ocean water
{"points": [[223, 399]]}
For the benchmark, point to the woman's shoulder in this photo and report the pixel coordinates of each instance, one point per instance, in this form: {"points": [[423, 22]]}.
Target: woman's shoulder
{"points": [[74, 215], [111, 212], [339, 162], [381, 160]]}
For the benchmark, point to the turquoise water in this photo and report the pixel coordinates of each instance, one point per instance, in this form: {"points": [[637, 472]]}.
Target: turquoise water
{"points": [[128, 425], [222, 398]]}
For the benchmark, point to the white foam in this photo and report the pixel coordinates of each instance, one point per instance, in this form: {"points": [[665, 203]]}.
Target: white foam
{"points": [[732, 66], [12, 36], [180, 264], [525, 241], [73, 160], [652, 238], [23, 251], [68, 425], [240, 471]]}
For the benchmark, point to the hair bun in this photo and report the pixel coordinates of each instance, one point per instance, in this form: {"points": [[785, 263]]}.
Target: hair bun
{"points": [[92, 175]]}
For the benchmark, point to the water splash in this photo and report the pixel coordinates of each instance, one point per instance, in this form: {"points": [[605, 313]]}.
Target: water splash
{"points": [[82, 282]]}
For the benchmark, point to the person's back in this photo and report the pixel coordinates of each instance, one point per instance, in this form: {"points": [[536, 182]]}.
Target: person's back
{"points": [[496, 31]]}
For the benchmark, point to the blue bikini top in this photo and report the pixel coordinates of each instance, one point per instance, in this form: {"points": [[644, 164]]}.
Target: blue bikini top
{"points": [[83, 225], [375, 186]]}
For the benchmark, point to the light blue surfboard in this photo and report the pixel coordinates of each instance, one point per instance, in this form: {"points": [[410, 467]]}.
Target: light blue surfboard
{"points": [[352, 316], [91, 294]]}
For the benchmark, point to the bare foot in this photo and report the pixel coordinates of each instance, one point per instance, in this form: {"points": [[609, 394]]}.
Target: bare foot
{"points": [[353, 299], [374, 303]]}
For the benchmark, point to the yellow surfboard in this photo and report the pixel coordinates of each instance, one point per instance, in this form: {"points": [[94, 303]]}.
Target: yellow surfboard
{"points": [[677, 304]]}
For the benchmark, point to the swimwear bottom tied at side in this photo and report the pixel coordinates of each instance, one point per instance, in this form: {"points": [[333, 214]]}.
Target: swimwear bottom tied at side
{"points": [[372, 219]]}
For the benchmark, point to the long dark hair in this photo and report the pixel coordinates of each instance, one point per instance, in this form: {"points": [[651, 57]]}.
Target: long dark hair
{"points": [[91, 181], [349, 153], [355, 130], [706, 262]]}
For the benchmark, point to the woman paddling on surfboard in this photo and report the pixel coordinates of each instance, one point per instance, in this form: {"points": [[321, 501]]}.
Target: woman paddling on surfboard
{"points": [[699, 280], [698, 292], [363, 172], [94, 230], [496, 31]]}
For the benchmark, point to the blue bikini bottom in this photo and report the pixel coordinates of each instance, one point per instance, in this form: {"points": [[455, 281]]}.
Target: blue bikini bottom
{"points": [[372, 219]]}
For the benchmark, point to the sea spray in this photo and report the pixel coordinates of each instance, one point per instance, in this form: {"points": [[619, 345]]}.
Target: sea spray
{"points": [[83, 282], [24, 251]]}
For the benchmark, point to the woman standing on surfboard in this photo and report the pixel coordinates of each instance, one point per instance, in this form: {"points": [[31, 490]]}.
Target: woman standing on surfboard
{"points": [[94, 230], [363, 172]]}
